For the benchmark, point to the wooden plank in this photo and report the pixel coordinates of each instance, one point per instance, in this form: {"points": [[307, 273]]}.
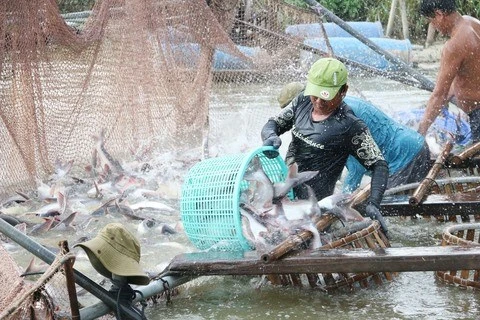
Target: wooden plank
{"points": [[329, 261]]}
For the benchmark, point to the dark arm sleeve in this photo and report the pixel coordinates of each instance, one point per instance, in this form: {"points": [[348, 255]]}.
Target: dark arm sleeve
{"points": [[269, 129], [281, 123], [378, 184]]}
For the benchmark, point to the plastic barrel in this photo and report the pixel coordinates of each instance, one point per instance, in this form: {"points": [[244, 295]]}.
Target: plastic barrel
{"points": [[354, 49], [313, 30], [210, 199]]}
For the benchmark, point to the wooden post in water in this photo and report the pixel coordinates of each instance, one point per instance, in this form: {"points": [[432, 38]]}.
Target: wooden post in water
{"points": [[391, 18], [419, 193], [70, 280], [430, 35]]}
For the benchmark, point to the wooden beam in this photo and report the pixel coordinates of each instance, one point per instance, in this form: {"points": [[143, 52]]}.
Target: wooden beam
{"points": [[329, 261]]}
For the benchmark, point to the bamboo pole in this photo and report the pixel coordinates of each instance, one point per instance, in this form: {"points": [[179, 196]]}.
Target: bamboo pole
{"points": [[466, 154], [419, 193], [296, 240], [70, 280], [403, 15], [391, 18], [361, 196]]}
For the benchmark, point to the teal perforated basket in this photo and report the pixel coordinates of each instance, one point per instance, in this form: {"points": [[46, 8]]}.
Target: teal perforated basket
{"points": [[210, 199]]}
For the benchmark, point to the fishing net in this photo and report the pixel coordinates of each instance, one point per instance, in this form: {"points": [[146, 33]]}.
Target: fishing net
{"points": [[46, 298], [138, 69]]}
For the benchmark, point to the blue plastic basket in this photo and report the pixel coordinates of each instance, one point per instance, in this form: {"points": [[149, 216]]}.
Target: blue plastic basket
{"points": [[210, 199]]}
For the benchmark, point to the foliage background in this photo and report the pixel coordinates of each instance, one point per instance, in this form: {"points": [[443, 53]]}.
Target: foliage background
{"points": [[348, 10]]}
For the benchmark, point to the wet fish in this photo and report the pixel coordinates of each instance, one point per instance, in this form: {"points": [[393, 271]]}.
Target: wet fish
{"points": [[253, 230], [66, 223], [151, 205], [103, 164], [261, 190], [299, 209], [149, 225], [15, 199], [53, 209], [340, 205], [294, 179], [42, 227]]}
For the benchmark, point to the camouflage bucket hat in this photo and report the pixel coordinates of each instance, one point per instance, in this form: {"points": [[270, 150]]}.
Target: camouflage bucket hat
{"points": [[288, 92]]}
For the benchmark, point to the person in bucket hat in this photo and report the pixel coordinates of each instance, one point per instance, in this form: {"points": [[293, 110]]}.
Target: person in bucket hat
{"points": [[116, 252], [325, 131]]}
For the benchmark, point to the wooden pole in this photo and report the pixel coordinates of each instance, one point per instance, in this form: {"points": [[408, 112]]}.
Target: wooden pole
{"points": [[430, 35], [403, 14], [465, 154], [341, 260], [70, 280], [419, 193], [391, 18]]}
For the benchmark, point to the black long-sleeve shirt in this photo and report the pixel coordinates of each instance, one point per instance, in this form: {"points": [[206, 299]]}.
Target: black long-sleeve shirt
{"points": [[325, 145]]}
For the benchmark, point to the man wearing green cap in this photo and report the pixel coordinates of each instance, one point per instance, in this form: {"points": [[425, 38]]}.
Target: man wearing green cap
{"points": [[325, 132], [404, 149]]}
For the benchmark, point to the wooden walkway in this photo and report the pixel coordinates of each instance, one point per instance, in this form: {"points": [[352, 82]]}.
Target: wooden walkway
{"points": [[403, 259]]}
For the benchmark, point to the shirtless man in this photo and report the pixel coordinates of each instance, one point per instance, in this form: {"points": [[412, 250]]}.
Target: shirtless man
{"points": [[459, 73]]}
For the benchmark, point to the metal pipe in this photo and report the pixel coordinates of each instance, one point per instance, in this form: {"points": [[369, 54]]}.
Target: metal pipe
{"points": [[153, 288], [46, 255]]}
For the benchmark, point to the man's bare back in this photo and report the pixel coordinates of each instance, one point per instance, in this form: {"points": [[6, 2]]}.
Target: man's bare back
{"points": [[465, 43], [458, 78]]}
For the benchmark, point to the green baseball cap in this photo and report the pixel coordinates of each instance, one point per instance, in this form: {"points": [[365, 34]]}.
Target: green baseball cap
{"points": [[325, 78]]}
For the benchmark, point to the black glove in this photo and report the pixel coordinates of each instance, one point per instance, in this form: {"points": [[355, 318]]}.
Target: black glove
{"points": [[273, 141], [374, 213]]}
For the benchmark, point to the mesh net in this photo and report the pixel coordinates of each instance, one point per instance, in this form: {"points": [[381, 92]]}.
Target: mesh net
{"points": [[47, 298]]}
